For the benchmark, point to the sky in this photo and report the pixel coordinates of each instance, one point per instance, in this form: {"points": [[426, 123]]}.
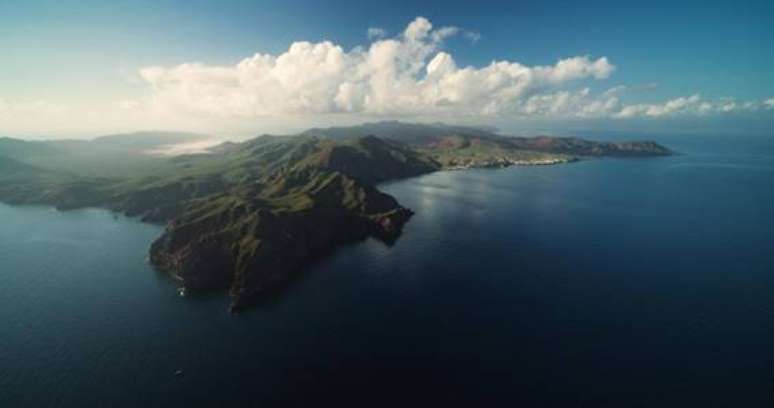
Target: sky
{"points": [[86, 68]]}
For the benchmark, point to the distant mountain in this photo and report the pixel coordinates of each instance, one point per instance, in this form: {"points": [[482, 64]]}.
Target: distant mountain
{"points": [[11, 167], [106, 156], [248, 216], [21, 149], [464, 147], [138, 141], [581, 147], [410, 133], [440, 136], [148, 140], [20, 182]]}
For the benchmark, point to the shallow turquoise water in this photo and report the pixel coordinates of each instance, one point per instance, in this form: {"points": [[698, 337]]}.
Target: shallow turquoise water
{"points": [[602, 283]]}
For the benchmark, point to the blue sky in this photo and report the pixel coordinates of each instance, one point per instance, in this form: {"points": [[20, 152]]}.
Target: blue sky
{"points": [[82, 59]]}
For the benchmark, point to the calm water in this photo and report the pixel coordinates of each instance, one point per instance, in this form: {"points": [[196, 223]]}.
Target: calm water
{"points": [[601, 283]]}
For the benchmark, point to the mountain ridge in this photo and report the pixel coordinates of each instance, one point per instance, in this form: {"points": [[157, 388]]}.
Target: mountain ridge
{"points": [[249, 216]]}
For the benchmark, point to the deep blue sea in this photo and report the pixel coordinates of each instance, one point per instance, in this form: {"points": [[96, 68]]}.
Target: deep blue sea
{"points": [[620, 283]]}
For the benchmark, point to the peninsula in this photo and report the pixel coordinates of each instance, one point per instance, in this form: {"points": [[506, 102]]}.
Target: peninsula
{"points": [[245, 217]]}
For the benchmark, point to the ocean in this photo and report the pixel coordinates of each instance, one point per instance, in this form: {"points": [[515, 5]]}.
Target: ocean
{"points": [[612, 282]]}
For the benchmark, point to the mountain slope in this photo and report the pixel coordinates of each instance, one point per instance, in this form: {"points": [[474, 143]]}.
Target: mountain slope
{"points": [[581, 147], [415, 134], [248, 216], [21, 150], [461, 146], [285, 201]]}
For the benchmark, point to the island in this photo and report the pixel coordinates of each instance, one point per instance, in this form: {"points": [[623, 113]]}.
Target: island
{"points": [[247, 217]]}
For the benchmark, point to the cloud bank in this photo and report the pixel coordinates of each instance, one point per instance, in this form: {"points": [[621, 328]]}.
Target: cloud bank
{"points": [[406, 75], [411, 75]]}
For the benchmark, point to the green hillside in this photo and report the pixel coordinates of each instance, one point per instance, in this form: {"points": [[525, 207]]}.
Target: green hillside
{"points": [[247, 216]]}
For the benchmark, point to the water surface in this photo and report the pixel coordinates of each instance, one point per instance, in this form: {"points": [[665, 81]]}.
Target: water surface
{"points": [[643, 282]]}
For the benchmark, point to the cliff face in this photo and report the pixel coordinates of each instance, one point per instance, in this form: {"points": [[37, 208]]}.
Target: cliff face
{"points": [[260, 250]]}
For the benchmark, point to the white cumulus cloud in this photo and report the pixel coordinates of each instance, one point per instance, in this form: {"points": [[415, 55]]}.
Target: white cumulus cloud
{"points": [[412, 75], [407, 75]]}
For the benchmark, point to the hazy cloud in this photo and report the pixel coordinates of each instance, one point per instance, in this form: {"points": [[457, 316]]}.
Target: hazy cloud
{"points": [[679, 105], [31, 108], [376, 33], [615, 91], [472, 36], [691, 105]]}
